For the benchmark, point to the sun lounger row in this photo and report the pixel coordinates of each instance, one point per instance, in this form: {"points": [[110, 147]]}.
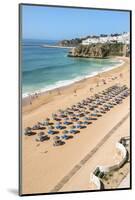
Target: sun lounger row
{"points": [[78, 116]]}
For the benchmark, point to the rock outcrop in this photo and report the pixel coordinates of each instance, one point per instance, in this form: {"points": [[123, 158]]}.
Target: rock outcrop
{"points": [[97, 50]]}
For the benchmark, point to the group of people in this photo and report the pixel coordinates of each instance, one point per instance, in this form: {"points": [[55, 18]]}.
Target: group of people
{"points": [[32, 97]]}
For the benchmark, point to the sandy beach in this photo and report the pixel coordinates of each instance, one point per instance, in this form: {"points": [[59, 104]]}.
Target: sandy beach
{"points": [[43, 165]]}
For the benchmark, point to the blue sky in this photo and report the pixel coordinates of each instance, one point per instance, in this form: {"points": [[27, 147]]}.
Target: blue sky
{"points": [[39, 22]]}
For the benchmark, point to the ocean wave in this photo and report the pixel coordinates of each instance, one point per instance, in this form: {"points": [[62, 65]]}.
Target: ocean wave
{"points": [[62, 83], [56, 85], [46, 68]]}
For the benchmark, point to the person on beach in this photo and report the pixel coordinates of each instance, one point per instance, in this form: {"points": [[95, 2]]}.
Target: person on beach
{"points": [[36, 95], [99, 75], [50, 92], [91, 89], [97, 84], [30, 99], [75, 92], [121, 75], [59, 93], [104, 81]]}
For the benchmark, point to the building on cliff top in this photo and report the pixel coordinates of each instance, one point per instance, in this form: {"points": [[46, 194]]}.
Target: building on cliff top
{"points": [[123, 38]]}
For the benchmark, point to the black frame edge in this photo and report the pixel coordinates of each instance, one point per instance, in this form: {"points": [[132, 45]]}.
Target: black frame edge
{"points": [[20, 99]]}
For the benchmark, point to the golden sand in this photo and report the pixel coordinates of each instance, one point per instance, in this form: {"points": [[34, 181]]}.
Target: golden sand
{"points": [[44, 165]]}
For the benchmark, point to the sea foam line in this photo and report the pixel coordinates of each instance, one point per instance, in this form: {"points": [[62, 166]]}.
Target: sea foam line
{"points": [[63, 83]]}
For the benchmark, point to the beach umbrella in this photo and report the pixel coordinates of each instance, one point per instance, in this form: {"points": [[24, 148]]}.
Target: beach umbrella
{"points": [[67, 118], [46, 123], [28, 129], [84, 118], [57, 123], [65, 112], [55, 138], [50, 127], [65, 131], [47, 119], [60, 111], [72, 127], [41, 133], [77, 114], [54, 115], [72, 114], [36, 127], [79, 122], [67, 109]]}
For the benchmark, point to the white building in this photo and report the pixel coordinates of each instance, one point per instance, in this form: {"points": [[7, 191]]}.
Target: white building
{"points": [[103, 39], [90, 41], [123, 38]]}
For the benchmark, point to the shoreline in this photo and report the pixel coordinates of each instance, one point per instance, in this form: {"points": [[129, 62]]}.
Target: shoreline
{"points": [[32, 96]]}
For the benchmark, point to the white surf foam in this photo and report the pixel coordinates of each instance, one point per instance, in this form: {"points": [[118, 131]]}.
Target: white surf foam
{"points": [[63, 83]]}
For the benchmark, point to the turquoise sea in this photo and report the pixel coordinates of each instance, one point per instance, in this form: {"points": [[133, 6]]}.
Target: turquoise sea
{"points": [[48, 68]]}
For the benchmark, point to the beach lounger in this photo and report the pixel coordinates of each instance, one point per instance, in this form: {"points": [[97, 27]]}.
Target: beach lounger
{"points": [[28, 131], [73, 131], [42, 137], [65, 137], [51, 132], [58, 143]]}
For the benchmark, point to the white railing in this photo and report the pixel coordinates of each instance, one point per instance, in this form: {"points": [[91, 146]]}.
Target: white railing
{"points": [[94, 179], [120, 147], [106, 169]]}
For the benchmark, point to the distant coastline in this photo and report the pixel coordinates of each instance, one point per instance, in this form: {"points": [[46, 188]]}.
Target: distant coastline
{"points": [[55, 46]]}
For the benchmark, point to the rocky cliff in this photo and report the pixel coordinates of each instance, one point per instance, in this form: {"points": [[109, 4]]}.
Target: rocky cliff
{"points": [[97, 50]]}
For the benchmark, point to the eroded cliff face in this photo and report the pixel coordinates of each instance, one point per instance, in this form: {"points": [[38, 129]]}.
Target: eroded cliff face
{"points": [[97, 50]]}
